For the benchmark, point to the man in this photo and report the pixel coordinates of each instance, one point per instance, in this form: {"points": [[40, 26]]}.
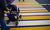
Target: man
{"points": [[2, 21]]}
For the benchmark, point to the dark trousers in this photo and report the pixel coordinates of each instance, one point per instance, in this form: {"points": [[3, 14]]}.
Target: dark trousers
{"points": [[19, 0]]}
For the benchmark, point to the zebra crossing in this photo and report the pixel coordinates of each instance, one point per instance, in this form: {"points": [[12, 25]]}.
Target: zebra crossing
{"points": [[33, 16]]}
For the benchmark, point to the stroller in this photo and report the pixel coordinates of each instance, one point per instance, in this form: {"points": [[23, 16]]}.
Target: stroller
{"points": [[13, 15]]}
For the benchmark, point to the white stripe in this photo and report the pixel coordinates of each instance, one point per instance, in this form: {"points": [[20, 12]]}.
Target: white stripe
{"points": [[28, 23], [25, 3], [48, 4], [34, 14], [32, 8]]}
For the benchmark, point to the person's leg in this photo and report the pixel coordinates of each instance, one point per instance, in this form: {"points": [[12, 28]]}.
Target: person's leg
{"points": [[19, 0], [23, 0], [16, 22], [3, 24]]}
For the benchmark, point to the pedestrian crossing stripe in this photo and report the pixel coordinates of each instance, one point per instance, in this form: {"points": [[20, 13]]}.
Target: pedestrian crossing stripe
{"points": [[32, 28], [33, 17], [24, 11]]}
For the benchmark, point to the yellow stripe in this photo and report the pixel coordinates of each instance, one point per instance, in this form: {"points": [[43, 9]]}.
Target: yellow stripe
{"points": [[33, 11], [28, 4], [32, 28], [32, 7], [31, 17], [34, 17]]}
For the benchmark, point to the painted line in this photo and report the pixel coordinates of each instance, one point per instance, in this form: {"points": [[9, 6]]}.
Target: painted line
{"points": [[29, 6], [29, 11], [34, 17], [29, 23], [28, 26], [36, 12], [27, 14], [32, 8], [34, 20], [32, 4], [25, 3], [48, 4]]}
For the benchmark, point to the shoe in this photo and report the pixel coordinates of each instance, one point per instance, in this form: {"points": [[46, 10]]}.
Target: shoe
{"points": [[8, 22], [16, 22]]}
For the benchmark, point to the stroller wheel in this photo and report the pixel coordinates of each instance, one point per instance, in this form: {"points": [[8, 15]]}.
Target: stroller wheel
{"points": [[16, 23], [8, 22]]}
